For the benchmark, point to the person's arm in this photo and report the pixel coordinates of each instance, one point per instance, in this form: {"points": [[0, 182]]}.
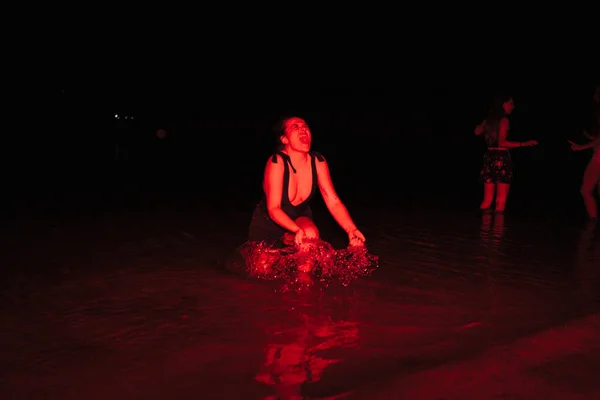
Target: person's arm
{"points": [[589, 145], [479, 129], [503, 133], [273, 187], [335, 206]]}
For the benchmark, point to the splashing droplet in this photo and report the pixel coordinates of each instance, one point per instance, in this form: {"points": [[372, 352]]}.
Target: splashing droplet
{"points": [[316, 257]]}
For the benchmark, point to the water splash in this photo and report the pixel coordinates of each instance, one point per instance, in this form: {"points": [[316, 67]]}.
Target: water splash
{"points": [[316, 258]]}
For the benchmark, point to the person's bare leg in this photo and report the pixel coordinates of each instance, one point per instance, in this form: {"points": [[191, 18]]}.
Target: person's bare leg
{"points": [[591, 179], [488, 195], [501, 196], [311, 232]]}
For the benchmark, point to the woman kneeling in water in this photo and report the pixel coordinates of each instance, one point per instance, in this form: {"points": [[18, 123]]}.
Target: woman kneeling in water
{"points": [[291, 178]]}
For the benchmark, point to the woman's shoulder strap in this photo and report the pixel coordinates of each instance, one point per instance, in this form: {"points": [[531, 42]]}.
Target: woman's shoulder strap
{"points": [[286, 160], [279, 153]]}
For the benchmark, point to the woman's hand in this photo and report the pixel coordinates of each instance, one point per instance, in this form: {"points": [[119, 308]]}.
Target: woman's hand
{"points": [[356, 238], [479, 129], [299, 238], [529, 143]]}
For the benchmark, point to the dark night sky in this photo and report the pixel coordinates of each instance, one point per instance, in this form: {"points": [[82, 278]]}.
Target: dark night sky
{"points": [[410, 134]]}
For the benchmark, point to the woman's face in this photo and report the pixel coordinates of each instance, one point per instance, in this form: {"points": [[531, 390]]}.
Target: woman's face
{"points": [[509, 106], [297, 135]]}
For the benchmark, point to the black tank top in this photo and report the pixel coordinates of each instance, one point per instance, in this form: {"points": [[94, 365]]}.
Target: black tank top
{"points": [[286, 204]]}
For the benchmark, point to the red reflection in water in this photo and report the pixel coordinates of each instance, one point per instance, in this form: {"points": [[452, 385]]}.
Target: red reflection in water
{"points": [[299, 356], [492, 229], [587, 260], [291, 364]]}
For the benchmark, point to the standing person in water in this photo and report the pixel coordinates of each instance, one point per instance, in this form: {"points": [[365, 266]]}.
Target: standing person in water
{"points": [[591, 176], [291, 178], [497, 170]]}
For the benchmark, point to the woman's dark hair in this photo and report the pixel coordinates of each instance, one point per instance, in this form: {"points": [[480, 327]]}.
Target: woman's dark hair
{"points": [[496, 112], [279, 130], [495, 115]]}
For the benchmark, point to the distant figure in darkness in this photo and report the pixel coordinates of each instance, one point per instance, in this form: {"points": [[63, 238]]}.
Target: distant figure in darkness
{"points": [[291, 178], [591, 176], [497, 170]]}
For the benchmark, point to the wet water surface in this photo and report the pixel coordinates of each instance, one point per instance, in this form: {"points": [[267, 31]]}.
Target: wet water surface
{"points": [[138, 305]]}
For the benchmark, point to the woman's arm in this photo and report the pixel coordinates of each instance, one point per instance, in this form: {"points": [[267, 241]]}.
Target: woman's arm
{"points": [[273, 187], [479, 129], [335, 206], [503, 133], [589, 145]]}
